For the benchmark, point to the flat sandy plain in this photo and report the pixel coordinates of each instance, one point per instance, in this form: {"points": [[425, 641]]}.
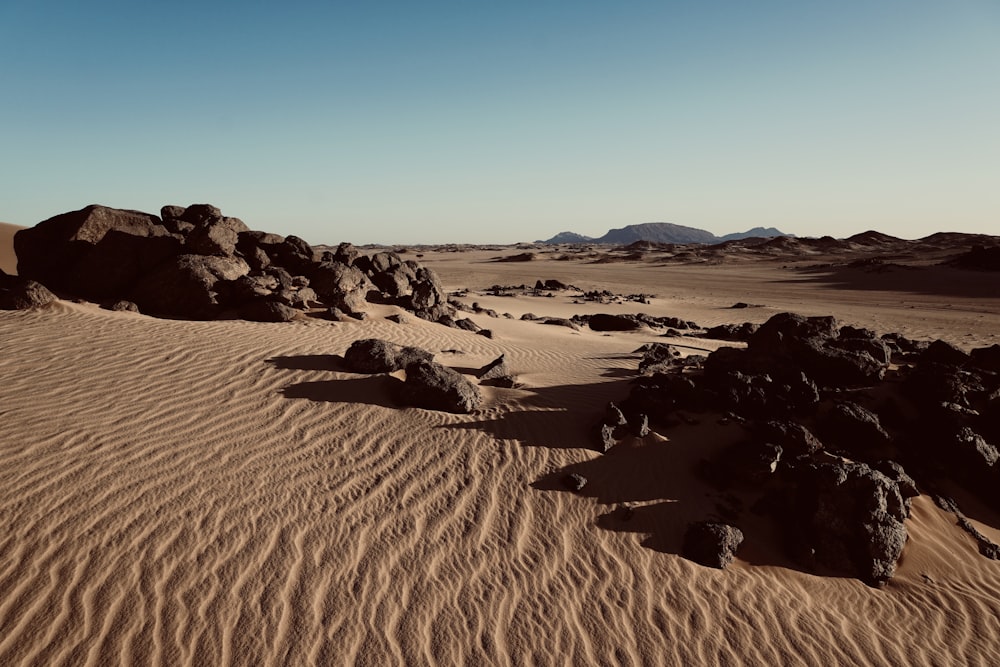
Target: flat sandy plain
{"points": [[214, 493]]}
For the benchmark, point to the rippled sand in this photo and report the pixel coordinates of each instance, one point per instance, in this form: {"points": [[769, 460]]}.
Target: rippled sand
{"points": [[192, 493]]}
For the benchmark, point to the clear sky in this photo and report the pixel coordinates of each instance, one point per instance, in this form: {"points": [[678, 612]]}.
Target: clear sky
{"points": [[501, 121]]}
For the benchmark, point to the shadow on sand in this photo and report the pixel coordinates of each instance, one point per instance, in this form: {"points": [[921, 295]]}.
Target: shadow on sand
{"points": [[926, 280]]}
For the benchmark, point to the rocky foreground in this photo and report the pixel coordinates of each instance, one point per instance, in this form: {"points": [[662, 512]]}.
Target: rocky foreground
{"points": [[844, 429]]}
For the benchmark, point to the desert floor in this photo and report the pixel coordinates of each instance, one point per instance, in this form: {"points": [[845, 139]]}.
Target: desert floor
{"points": [[213, 493]]}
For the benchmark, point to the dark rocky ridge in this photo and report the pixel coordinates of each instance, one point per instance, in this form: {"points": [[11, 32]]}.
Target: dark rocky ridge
{"points": [[842, 428], [195, 263]]}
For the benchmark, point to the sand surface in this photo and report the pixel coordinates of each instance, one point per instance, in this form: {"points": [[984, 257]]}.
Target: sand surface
{"points": [[214, 493]]}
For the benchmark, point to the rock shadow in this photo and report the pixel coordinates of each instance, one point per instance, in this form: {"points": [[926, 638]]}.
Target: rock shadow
{"points": [[925, 280], [371, 390], [309, 362]]}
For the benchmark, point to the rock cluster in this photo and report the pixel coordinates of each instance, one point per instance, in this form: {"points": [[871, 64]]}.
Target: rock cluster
{"points": [[428, 384], [195, 263], [828, 457]]}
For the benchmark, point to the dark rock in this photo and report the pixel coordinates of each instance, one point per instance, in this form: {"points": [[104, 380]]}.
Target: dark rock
{"points": [[606, 322], [346, 253], [613, 416], [431, 386], [574, 482], [467, 324], [606, 437], [847, 517], [124, 306], [485, 333], [793, 438], [987, 358], [497, 373], [854, 428], [659, 358], [940, 352], [267, 311], [110, 267], [372, 355], [185, 286], [50, 251], [217, 236], [340, 285], [640, 425], [200, 214], [712, 544], [732, 332], [18, 293]]}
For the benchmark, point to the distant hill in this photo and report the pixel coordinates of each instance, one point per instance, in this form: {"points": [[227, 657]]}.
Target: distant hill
{"points": [[661, 232], [755, 233], [568, 237], [658, 232]]}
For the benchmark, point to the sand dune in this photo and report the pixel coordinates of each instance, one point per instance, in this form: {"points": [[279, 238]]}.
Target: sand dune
{"points": [[8, 260], [195, 493]]}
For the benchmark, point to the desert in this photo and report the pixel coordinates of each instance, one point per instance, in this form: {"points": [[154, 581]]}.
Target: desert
{"points": [[252, 472]]}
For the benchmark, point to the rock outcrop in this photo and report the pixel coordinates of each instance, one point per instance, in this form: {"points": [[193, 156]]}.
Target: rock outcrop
{"points": [[196, 263]]}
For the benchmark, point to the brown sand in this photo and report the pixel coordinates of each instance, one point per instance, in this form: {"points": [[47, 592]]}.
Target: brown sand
{"points": [[211, 493], [8, 260]]}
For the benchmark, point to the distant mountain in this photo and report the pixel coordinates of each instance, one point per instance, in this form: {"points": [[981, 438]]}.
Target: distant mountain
{"points": [[658, 232], [755, 233], [662, 232], [568, 237]]}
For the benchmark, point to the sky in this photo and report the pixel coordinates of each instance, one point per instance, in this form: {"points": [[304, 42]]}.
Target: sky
{"points": [[480, 121]]}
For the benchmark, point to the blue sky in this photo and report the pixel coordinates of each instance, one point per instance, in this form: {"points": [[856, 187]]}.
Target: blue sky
{"points": [[481, 122]]}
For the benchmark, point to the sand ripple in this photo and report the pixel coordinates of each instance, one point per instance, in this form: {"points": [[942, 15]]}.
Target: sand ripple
{"points": [[219, 493]]}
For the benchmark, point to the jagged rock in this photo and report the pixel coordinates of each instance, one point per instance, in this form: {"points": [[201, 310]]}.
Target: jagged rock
{"points": [[18, 293], [987, 358], [110, 267], [346, 253], [467, 324], [372, 355], [185, 286], [574, 482], [340, 285], [124, 306], [855, 428], [215, 236], [51, 251], [940, 352], [431, 386], [606, 437], [639, 425], [658, 358], [712, 544], [847, 517], [497, 373], [752, 462], [732, 332], [793, 438]]}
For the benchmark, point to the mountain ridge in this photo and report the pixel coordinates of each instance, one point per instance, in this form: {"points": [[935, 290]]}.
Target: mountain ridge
{"points": [[661, 232]]}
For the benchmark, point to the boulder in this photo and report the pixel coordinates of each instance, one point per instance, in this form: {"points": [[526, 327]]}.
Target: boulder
{"points": [[17, 293], [940, 352], [793, 438], [217, 236], [497, 373], [373, 355], [340, 285], [431, 386], [123, 306], [847, 517], [606, 322], [50, 251], [712, 544], [110, 268], [185, 286], [264, 310]]}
